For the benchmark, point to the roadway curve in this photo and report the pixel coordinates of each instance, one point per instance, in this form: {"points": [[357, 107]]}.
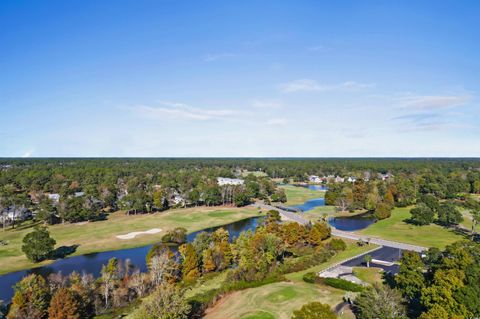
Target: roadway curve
{"points": [[286, 215]]}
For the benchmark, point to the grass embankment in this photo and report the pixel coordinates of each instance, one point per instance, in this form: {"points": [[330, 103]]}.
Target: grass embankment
{"points": [[297, 195], [370, 275], [397, 229], [279, 300], [101, 235]]}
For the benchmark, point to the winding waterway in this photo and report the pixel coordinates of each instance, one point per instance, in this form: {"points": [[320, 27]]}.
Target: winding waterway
{"points": [[92, 263]]}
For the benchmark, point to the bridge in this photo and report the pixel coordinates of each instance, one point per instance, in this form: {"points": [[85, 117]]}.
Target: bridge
{"points": [[294, 217]]}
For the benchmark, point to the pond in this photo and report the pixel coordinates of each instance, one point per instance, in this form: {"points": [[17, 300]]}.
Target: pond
{"points": [[92, 263], [352, 223], [316, 187], [312, 203]]}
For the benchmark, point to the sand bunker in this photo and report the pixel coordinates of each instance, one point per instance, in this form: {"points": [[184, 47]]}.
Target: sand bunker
{"points": [[136, 233]]}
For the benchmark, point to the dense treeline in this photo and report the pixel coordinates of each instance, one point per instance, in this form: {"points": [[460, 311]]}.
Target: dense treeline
{"points": [[252, 259]]}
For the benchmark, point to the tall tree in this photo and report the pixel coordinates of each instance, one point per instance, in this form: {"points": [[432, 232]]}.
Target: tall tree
{"points": [[38, 245], [31, 299]]}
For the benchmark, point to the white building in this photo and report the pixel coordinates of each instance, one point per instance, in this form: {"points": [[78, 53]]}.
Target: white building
{"points": [[229, 181], [315, 179], [54, 197]]}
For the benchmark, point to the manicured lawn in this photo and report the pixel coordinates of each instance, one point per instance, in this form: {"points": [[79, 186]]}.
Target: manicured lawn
{"points": [[298, 195], [395, 228], [101, 235], [467, 221], [279, 300], [370, 275]]}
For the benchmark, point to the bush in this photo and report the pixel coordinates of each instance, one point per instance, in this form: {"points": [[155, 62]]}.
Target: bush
{"points": [[383, 211], [337, 244], [177, 236], [310, 277], [342, 284]]}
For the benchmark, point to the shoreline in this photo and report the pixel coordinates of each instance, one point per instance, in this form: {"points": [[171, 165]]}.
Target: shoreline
{"points": [[134, 242]]}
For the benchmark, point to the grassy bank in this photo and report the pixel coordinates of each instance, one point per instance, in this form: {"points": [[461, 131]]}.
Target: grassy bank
{"points": [[280, 299], [395, 228], [298, 195], [101, 236]]}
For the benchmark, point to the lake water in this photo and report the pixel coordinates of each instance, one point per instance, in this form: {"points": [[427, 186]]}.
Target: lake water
{"points": [[351, 223], [92, 263], [311, 204]]}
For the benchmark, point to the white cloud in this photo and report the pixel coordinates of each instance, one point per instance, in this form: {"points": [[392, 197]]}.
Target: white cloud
{"points": [[307, 85], [217, 56], [182, 111], [277, 121], [28, 153], [319, 48], [266, 104], [434, 102]]}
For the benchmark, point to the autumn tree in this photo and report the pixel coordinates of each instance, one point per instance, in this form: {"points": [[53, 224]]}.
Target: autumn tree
{"points": [[31, 298], [191, 262], [167, 302], [64, 305]]}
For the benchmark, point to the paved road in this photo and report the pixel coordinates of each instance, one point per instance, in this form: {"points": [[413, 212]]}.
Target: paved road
{"points": [[286, 215], [377, 241]]}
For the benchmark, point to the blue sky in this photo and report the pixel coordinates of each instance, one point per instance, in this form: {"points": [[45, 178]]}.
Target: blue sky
{"points": [[239, 78]]}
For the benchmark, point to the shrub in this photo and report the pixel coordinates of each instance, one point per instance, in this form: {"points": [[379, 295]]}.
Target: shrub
{"points": [[177, 236], [310, 277], [342, 284], [337, 244], [383, 211]]}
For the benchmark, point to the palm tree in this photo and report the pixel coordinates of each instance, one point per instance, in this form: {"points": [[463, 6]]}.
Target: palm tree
{"points": [[367, 259]]}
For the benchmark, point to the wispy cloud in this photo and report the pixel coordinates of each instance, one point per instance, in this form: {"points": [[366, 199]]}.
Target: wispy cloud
{"points": [[317, 48], [277, 121], [28, 153], [182, 111], [434, 102], [266, 104], [308, 85], [217, 56], [426, 122]]}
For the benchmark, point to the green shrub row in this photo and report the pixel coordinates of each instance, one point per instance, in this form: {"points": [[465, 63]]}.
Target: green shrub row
{"points": [[342, 284]]}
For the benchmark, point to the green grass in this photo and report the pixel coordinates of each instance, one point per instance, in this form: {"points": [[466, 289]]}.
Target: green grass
{"points": [[101, 236], [280, 299], [395, 228], [298, 195], [370, 275]]}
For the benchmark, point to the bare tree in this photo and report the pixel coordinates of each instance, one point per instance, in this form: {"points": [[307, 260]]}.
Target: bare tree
{"points": [[139, 282]]}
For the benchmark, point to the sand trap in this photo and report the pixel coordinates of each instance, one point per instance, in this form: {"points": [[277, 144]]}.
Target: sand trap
{"points": [[136, 233]]}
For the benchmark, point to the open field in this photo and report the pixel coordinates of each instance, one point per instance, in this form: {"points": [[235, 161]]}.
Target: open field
{"points": [[370, 275], [396, 229], [279, 300], [298, 195], [101, 235]]}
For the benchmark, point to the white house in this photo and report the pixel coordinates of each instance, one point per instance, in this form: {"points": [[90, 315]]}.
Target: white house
{"points": [[229, 181], [15, 214], [339, 179], [315, 179], [351, 179], [54, 197]]}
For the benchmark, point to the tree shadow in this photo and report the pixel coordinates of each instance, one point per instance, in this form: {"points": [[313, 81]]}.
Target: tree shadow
{"points": [[64, 251]]}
